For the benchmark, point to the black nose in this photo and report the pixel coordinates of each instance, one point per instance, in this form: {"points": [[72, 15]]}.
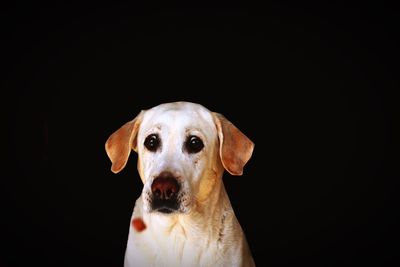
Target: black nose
{"points": [[165, 187]]}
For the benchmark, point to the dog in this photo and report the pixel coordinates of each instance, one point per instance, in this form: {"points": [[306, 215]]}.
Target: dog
{"points": [[183, 150]]}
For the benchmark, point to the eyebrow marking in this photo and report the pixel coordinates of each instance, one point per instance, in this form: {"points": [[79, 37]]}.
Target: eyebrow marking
{"points": [[154, 129]]}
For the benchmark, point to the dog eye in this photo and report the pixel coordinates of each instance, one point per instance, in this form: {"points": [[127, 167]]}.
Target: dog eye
{"points": [[152, 142], [194, 144]]}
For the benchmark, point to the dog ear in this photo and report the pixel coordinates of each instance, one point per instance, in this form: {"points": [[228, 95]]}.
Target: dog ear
{"points": [[235, 148], [120, 143]]}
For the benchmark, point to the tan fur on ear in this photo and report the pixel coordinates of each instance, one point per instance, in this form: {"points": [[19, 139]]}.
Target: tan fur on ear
{"points": [[120, 143], [235, 148]]}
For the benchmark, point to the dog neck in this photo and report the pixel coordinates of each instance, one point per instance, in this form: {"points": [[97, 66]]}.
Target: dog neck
{"points": [[197, 238]]}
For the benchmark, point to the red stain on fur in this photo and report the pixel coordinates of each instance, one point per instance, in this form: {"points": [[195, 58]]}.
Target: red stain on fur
{"points": [[138, 224]]}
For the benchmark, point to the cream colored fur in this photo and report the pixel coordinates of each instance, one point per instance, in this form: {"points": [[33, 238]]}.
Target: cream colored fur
{"points": [[205, 231]]}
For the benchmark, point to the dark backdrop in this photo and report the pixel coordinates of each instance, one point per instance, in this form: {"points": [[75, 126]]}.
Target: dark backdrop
{"points": [[312, 85]]}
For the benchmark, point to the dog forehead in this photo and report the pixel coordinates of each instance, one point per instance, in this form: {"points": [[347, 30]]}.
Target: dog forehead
{"points": [[179, 116]]}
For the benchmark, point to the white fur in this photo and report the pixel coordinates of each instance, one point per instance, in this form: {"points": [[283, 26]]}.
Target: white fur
{"points": [[205, 232]]}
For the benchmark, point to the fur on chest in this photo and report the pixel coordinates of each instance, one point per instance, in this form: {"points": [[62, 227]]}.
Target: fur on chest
{"points": [[175, 243]]}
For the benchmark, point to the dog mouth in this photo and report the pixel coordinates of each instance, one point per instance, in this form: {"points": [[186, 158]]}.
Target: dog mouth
{"points": [[165, 210], [165, 206]]}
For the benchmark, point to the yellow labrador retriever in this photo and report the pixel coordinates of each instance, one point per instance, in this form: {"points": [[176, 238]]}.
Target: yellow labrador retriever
{"points": [[183, 149]]}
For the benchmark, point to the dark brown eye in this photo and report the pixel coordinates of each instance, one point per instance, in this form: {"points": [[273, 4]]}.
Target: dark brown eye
{"points": [[194, 144], [152, 142]]}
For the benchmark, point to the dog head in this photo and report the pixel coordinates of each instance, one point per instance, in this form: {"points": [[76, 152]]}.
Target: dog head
{"points": [[182, 149]]}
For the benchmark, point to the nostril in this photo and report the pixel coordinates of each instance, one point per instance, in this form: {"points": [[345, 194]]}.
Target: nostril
{"points": [[169, 193], [157, 192]]}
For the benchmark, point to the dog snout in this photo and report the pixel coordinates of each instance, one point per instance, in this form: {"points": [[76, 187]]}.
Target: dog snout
{"points": [[165, 187]]}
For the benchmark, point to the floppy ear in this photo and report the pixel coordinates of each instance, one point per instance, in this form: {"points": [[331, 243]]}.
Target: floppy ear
{"points": [[120, 143], [235, 148]]}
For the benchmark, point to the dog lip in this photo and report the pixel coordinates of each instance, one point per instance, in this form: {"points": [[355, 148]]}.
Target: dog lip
{"points": [[165, 206], [165, 210]]}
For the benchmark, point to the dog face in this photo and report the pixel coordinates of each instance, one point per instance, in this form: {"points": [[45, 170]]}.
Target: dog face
{"points": [[183, 148], [175, 144]]}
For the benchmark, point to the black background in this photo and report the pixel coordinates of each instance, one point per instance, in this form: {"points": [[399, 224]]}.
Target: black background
{"points": [[312, 85]]}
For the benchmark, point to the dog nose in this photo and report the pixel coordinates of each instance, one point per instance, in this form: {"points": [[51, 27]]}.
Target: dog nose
{"points": [[165, 187]]}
